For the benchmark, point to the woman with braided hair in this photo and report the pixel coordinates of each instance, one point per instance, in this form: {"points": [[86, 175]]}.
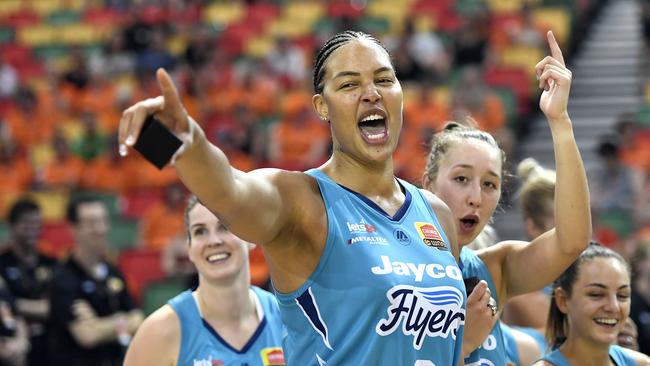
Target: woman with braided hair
{"points": [[364, 264]]}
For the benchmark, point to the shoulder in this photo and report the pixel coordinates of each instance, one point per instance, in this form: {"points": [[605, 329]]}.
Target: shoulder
{"points": [[639, 358], [160, 331], [434, 201]]}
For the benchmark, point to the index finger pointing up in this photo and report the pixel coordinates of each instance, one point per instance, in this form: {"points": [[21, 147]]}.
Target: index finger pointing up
{"points": [[168, 89], [556, 52]]}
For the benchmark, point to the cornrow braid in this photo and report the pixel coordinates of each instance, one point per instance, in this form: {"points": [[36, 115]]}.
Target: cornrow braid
{"points": [[332, 45]]}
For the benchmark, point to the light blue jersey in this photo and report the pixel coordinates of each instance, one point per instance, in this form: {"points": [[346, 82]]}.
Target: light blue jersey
{"points": [[201, 345], [616, 354], [493, 350], [387, 290], [512, 353]]}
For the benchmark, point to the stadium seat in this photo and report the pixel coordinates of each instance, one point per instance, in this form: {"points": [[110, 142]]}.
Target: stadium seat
{"points": [[156, 294], [7, 35], [517, 80], [57, 240], [123, 234], [53, 204], [140, 267], [223, 13], [558, 19], [138, 201], [63, 17]]}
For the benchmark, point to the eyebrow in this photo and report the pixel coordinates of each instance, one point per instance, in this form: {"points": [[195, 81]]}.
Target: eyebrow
{"points": [[354, 73], [197, 225], [599, 285], [467, 166]]}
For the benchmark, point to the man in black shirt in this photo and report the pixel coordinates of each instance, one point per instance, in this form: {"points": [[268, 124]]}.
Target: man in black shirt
{"points": [[14, 341], [28, 275], [93, 317]]}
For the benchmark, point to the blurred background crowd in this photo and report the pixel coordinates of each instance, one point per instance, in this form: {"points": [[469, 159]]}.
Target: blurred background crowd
{"points": [[69, 67]]}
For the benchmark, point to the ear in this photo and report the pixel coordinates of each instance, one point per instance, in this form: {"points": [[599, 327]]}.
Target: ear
{"points": [[561, 299], [427, 183], [318, 101]]}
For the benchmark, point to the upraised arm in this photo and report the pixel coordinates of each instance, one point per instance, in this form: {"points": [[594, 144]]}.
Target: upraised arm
{"points": [[552, 252], [250, 203]]}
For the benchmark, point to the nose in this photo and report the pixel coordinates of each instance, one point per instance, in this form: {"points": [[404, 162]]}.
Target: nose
{"points": [[371, 94], [474, 195], [215, 240], [612, 304]]}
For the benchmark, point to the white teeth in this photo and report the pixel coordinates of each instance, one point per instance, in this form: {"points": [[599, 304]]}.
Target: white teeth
{"points": [[607, 321], [217, 257], [376, 136], [372, 117]]}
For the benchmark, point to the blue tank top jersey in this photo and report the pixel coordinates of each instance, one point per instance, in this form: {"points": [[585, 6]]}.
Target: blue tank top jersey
{"points": [[539, 338], [386, 291], [616, 354], [512, 353], [493, 350], [201, 345]]}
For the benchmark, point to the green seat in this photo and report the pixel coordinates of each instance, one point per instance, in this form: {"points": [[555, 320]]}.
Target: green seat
{"points": [[374, 25], [509, 101], [6, 35], [4, 232], [63, 17], [643, 116], [123, 234], [158, 293], [621, 222], [51, 51]]}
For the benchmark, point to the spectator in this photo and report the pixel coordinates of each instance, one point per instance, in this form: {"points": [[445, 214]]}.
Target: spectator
{"points": [[92, 143], [640, 309], [28, 276], [8, 80], [13, 333], [65, 169], [92, 315], [287, 62], [613, 189], [163, 222]]}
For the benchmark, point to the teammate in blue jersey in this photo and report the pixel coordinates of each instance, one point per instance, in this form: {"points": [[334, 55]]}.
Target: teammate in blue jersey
{"points": [[224, 321], [590, 304], [377, 286], [465, 169]]}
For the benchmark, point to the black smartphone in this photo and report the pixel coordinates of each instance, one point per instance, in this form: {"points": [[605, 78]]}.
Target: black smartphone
{"points": [[156, 143], [470, 283]]}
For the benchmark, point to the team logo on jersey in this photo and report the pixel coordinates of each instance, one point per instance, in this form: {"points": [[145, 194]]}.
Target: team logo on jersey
{"points": [[363, 232], [416, 270], [423, 311], [272, 356], [207, 362], [402, 237], [430, 235], [361, 227]]}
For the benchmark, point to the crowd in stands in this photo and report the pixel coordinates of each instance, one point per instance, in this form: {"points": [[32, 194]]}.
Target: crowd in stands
{"points": [[69, 67]]}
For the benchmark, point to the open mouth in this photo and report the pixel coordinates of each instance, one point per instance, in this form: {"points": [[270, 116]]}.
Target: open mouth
{"points": [[606, 322], [217, 257], [373, 127], [468, 223]]}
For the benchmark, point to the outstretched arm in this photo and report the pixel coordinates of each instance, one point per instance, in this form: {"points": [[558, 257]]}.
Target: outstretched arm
{"points": [[551, 253], [250, 203]]}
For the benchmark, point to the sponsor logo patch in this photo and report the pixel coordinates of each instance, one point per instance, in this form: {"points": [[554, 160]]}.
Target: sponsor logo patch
{"points": [[430, 235], [272, 356]]}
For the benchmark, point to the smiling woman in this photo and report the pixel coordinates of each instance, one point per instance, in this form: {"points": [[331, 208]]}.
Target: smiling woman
{"points": [[225, 320], [330, 233], [590, 305]]}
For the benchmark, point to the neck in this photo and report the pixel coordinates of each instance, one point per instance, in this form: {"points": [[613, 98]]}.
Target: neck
{"points": [[584, 352], [223, 303], [86, 259], [24, 252], [368, 180]]}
